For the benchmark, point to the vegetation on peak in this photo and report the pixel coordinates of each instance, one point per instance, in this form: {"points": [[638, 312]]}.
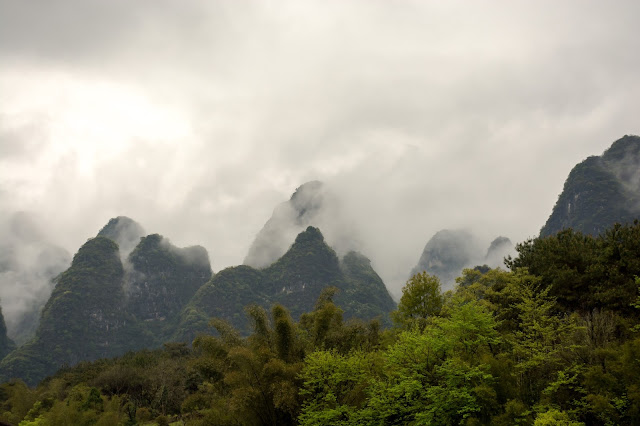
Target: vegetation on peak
{"points": [[82, 318], [312, 186], [600, 191], [309, 235], [309, 257], [366, 296], [98, 252], [98, 309], [294, 281], [163, 280], [622, 149], [124, 231]]}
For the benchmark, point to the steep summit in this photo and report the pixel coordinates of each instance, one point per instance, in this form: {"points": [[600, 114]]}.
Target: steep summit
{"points": [[498, 250], [287, 220], [312, 204], [307, 201], [124, 231], [600, 191]]}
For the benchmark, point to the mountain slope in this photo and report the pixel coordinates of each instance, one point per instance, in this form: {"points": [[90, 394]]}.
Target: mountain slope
{"points": [[600, 191], [161, 280], [295, 280], [81, 320], [102, 308]]}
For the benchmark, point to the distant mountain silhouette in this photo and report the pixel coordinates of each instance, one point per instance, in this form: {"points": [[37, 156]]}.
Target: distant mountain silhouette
{"points": [[448, 252]]}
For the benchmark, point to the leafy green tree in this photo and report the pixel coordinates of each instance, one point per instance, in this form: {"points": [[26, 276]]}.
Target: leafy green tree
{"points": [[553, 417], [335, 387], [564, 262], [16, 399], [421, 299], [544, 342], [438, 375]]}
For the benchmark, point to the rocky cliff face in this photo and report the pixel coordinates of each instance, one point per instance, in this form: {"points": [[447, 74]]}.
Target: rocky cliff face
{"points": [[162, 278], [600, 191]]}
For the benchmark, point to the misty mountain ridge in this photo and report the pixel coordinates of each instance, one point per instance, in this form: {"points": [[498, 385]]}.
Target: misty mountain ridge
{"points": [[126, 290], [448, 252], [311, 204], [600, 191]]}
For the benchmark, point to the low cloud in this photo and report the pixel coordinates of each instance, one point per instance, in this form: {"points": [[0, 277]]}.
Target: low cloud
{"points": [[28, 264]]}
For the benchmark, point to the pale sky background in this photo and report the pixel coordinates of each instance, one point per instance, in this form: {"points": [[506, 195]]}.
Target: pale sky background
{"points": [[196, 118]]}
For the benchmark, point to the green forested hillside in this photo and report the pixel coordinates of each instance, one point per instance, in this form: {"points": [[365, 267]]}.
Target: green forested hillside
{"points": [[503, 348], [100, 309], [600, 191], [81, 321], [162, 280], [295, 281]]}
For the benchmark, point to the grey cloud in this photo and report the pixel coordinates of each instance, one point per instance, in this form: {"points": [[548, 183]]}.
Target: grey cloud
{"points": [[28, 264], [421, 115]]}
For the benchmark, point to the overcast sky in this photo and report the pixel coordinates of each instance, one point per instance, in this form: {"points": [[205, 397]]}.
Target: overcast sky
{"points": [[196, 118]]}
